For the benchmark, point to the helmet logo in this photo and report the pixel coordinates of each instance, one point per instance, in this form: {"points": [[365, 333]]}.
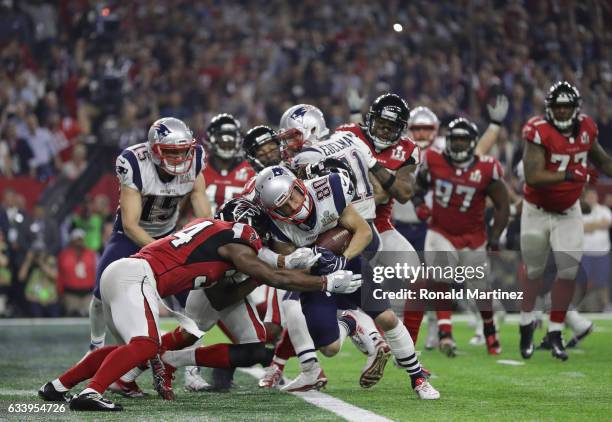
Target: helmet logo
{"points": [[298, 114], [388, 113], [162, 130], [277, 171]]}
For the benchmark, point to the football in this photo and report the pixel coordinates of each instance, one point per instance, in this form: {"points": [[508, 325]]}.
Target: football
{"points": [[336, 239]]}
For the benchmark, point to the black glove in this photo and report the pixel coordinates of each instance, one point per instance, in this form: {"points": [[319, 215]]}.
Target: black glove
{"points": [[328, 263]]}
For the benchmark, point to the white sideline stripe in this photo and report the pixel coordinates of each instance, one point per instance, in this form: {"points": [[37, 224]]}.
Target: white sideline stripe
{"points": [[9, 392], [510, 362], [325, 401]]}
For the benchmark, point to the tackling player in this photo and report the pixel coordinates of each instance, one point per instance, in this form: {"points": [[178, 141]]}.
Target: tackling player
{"points": [[558, 147], [199, 256]]}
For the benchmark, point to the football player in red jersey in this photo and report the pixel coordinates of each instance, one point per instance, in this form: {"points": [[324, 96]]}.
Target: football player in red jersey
{"points": [[199, 256], [558, 146], [226, 171], [461, 181]]}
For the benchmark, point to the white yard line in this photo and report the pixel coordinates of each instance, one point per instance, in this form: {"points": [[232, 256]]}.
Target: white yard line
{"points": [[325, 401]]}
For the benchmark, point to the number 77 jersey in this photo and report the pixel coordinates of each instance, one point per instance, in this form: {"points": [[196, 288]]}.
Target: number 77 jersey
{"points": [[458, 211], [562, 153]]}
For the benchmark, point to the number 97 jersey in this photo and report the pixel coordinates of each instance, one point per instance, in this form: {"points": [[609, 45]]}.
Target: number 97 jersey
{"points": [[458, 211]]}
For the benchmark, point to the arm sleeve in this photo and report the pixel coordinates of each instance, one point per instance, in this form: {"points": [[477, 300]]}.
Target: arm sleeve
{"points": [[128, 171]]}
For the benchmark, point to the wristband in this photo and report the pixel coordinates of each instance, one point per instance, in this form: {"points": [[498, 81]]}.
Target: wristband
{"points": [[388, 183]]}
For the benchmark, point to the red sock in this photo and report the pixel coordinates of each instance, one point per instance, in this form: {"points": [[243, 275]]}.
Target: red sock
{"points": [[121, 360], [177, 340], [446, 326], [488, 322], [561, 297], [86, 368], [215, 356], [284, 348]]}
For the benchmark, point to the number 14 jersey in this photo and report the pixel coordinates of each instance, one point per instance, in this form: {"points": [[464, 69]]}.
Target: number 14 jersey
{"points": [[458, 211]]}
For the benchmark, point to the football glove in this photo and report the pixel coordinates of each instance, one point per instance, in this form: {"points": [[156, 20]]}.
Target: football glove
{"points": [[301, 258], [341, 282], [328, 261], [582, 175], [498, 112]]}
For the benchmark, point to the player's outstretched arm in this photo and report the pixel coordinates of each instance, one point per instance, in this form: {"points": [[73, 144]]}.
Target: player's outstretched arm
{"points": [[130, 201], [497, 114], [498, 192], [534, 164], [223, 294], [381, 196], [245, 261], [199, 199], [601, 159], [362, 233], [399, 185]]}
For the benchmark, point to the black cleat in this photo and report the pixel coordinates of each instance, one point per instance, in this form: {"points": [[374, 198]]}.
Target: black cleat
{"points": [[556, 344], [94, 401], [447, 344], [578, 338], [527, 347], [545, 343], [48, 393]]}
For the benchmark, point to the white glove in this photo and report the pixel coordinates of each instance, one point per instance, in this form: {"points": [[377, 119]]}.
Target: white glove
{"points": [[342, 281], [301, 258], [498, 112], [354, 101]]}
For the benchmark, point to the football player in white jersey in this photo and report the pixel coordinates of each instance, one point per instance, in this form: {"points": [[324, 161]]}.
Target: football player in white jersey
{"points": [[300, 212], [156, 177]]}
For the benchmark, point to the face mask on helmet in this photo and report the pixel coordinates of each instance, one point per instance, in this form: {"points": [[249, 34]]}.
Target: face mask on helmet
{"points": [[308, 119], [423, 126], [261, 147], [172, 145], [244, 211], [224, 137], [563, 105], [284, 196], [291, 144], [461, 140], [386, 120]]}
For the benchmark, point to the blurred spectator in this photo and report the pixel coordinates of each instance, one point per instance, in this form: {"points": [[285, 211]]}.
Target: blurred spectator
{"points": [[44, 231], [77, 275], [6, 276], [43, 146], [73, 168], [15, 153], [39, 274], [91, 221], [596, 260]]}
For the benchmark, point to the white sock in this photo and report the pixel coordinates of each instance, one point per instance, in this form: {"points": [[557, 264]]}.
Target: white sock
{"points": [[57, 384], [298, 331], [178, 358], [402, 348], [527, 317], [344, 331], [555, 326], [132, 374], [576, 322], [97, 324], [88, 390]]}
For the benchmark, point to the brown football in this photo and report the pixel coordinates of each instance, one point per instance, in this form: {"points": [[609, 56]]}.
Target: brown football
{"points": [[336, 239]]}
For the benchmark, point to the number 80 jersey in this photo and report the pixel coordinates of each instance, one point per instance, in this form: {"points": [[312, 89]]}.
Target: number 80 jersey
{"points": [[136, 170], [458, 211]]}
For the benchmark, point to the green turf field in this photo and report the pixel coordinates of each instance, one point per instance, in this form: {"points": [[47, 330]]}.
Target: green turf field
{"points": [[473, 385]]}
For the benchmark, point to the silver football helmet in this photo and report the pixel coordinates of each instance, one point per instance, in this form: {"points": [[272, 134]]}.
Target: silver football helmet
{"points": [[274, 186], [172, 145], [308, 119], [426, 120]]}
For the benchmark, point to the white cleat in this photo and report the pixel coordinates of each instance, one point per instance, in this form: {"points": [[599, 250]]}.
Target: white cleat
{"points": [[311, 379], [425, 390], [374, 368], [193, 380], [273, 377], [477, 340]]}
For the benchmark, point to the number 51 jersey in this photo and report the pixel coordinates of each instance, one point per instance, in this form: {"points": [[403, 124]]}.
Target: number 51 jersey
{"points": [[135, 169], [458, 211]]}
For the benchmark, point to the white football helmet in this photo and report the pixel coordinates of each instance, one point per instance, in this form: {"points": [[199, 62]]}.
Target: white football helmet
{"points": [[308, 119], [423, 118], [172, 145], [274, 186]]}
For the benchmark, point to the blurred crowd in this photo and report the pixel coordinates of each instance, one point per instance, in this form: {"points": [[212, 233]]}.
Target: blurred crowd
{"points": [[81, 73]]}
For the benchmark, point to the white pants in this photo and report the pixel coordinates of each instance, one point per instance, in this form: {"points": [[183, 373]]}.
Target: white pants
{"points": [[129, 297], [542, 231], [240, 319], [440, 253]]}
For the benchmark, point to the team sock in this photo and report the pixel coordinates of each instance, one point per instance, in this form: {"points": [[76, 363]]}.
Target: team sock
{"points": [[402, 348], [97, 324], [299, 336]]}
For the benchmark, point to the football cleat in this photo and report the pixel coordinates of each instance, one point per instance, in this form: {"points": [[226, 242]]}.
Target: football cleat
{"points": [[477, 340], [527, 347], [425, 390], [193, 380], [579, 337], [447, 345], [556, 345], [493, 346], [311, 379], [273, 377], [374, 368], [93, 401], [48, 393], [545, 343], [163, 374], [126, 389]]}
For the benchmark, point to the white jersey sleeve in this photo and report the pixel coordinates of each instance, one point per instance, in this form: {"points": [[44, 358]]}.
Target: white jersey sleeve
{"points": [[126, 169]]}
